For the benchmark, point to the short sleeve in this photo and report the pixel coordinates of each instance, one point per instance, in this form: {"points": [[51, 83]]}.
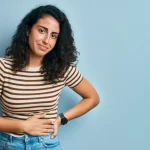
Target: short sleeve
{"points": [[72, 77]]}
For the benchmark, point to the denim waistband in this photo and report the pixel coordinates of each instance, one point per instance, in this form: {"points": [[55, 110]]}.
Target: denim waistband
{"points": [[24, 138]]}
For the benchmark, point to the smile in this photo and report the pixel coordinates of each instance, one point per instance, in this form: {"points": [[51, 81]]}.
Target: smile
{"points": [[43, 47]]}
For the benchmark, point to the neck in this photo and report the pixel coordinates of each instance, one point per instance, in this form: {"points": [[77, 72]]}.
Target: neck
{"points": [[35, 61]]}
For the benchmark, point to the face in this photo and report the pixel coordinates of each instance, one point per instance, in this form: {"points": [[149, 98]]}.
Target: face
{"points": [[43, 36]]}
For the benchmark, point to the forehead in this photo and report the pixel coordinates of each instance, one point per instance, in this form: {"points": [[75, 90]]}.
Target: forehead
{"points": [[49, 22]]}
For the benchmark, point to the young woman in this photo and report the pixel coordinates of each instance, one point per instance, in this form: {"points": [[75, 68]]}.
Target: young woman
{"points": [[38, 64]]}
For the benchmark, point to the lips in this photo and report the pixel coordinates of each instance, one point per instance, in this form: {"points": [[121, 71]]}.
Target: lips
{"points": [[42, 47]]}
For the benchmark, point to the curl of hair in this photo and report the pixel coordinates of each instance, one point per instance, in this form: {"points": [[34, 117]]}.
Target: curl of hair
{"points": [[58, 60]]}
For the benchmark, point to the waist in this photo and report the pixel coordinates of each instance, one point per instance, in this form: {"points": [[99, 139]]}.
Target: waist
{"points": [[24, 138]]}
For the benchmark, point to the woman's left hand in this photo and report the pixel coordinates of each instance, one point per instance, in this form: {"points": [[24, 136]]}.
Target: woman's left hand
{"points": [[56, 126]]}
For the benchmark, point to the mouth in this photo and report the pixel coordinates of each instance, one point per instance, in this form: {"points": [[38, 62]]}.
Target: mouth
{"points": [[42, 47]]}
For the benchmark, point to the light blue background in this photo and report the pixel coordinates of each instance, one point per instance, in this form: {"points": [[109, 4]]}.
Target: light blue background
{"points": [[113, 39]]}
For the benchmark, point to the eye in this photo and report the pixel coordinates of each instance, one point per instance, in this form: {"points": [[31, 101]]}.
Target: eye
{"points": [[41, 31], [54, 36]]}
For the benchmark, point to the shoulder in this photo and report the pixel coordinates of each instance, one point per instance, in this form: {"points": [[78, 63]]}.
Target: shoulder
{"points": [[71, 69], [5, 61], [2, 60], [72, 76]]}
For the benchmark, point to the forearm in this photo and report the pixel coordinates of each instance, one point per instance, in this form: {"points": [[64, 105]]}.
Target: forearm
{"points": [[7, 125], [81, 108]]}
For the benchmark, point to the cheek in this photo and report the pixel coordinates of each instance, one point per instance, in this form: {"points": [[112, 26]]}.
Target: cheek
{"points": [[35, 36], [33, 39], [32, 42], [38, 37], [54, 42]]}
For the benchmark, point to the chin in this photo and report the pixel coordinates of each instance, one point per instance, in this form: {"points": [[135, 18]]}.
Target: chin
{"points": [[41, 53]]}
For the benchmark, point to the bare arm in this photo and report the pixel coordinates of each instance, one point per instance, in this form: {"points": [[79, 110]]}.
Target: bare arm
{"points": [[35, 125], [89, 101], [7, 125]]}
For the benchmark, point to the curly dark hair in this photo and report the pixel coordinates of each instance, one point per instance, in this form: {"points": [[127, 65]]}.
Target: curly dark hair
{"points": [[57, 61]]}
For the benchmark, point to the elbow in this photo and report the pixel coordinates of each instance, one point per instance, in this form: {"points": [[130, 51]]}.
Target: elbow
{"points": [[97, 101], [96, 98]]}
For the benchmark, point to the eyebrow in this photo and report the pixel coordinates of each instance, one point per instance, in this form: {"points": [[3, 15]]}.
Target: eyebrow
{"points": [[46, 29]]}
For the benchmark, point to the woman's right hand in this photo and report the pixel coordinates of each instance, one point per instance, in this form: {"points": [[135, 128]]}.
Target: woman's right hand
{"points": [[37, 125]]}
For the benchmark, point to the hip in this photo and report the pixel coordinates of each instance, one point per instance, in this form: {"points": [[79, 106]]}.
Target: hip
{"points": [[28, 142]]}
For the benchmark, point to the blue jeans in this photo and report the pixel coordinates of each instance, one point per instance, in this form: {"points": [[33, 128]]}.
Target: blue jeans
{"points": [[28, 142]]}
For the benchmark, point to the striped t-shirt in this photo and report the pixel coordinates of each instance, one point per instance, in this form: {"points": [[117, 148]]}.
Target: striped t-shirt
{"points": [[26, 92]]}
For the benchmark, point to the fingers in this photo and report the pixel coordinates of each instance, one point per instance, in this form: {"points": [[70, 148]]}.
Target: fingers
{"points": [[44, 120], [41, 126], [48, 126], [48, 121], [55, 131], [47, 130]]}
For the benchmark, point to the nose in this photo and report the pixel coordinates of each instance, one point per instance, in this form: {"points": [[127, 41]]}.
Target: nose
{"points": [[46, 39]]}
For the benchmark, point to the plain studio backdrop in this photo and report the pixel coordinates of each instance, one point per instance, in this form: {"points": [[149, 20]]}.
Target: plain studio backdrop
{"points": [[112, 37]]}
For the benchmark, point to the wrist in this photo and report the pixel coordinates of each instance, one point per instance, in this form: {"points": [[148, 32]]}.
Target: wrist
{"points": [[22, 127], [58, 120], [63, 119]]}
